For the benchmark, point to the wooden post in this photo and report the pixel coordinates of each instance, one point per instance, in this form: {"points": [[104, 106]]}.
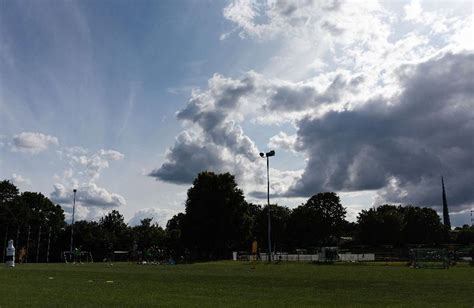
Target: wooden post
{"points": [[38, 246], [5, 245], [49, 243], [17, 238], [27, 243]]}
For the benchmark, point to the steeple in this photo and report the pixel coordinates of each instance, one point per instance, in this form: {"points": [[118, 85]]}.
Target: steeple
{"points": [[445, 207]]}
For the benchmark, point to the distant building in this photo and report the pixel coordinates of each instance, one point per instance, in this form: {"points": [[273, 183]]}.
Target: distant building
{"points": [[446, 220]]}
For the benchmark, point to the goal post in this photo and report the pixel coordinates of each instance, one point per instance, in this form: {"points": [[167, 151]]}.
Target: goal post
{"points": [[429, 258]]}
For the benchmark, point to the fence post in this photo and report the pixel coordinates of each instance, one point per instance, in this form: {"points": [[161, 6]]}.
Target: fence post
{"points": [[38, 246], [5, 245], [49, 242], [27, 244], [17, 238]]}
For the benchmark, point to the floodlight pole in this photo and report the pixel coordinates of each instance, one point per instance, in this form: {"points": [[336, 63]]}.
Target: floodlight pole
{"points": [[269, 213], [267, 155], [72, 222]]}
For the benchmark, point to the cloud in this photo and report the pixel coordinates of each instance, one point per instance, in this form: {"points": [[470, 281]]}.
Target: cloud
{"points": [[82, 172], [282, 141], [311, 21], [402, 145], [29, 142], [88, 194], [160, 216], [18, 180], [90, 165], [187, 158]]}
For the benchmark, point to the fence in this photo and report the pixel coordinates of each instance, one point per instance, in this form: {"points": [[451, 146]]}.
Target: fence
{"points": [[344, 257], [32, 243]]}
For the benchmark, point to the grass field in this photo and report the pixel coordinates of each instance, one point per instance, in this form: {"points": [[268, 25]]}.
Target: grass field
{"points": [[230, 283]]}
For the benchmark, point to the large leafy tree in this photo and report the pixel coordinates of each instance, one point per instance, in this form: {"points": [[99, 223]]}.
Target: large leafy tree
{"points": [[280, 216], [217, 218], [8, 197], [116, 234], [173, 235], [380, 226], [8, 192], [320, 221], [397, 225], [148, 234], [31, 220], [421, 225]]}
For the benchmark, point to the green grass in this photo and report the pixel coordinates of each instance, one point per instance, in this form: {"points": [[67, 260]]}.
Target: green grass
{"points": [[230, 283]]}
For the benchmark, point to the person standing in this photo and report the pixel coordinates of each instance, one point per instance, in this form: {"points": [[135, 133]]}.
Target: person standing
{"points": [[10, 261]]}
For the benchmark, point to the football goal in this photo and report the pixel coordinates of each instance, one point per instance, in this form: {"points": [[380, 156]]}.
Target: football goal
{"points": [[429, 258]]}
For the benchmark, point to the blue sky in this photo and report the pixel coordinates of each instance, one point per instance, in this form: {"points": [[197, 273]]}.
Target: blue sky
{"points": [[128, 100]]}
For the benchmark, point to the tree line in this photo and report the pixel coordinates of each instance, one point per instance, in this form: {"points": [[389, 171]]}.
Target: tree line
{"points": [[217, 220]]}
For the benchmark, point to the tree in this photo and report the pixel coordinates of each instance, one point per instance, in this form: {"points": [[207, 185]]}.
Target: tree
{"points": [[217, 218], [173, 237], [397, 225], [147, 234], [465, 235], [320, 221], [36, 209], [8, 191], [280, 216], [380, 226], [421, 225], [115, 232]]}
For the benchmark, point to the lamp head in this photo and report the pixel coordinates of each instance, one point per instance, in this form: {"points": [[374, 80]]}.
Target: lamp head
{"points": [[262, 155], [271, 153], [74, 190]]}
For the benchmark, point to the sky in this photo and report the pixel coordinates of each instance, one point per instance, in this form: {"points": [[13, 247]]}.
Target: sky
{"points": [[127, 101]]}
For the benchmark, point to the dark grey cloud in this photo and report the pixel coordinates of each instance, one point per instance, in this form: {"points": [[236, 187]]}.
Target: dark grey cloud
{"points": [[332, 28], [186, 158], [399, 146], [294, 97]]}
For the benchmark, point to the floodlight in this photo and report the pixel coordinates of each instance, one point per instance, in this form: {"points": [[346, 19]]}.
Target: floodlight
{"points": [[262, 155], [271, 153]]}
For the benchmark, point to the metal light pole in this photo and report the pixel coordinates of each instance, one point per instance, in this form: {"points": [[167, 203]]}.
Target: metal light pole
{"points": [[72, 222], [267, 155]]}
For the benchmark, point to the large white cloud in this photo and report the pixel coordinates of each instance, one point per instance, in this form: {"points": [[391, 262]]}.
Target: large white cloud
{"points": [[88, 194], [30, 142]]}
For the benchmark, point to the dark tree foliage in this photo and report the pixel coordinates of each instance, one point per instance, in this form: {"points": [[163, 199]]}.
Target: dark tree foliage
{"points": [[320, 221], [380, 226], [397, 225], [421, 226], [34, 212], [147, 235], [280, 216], [88, 236], [465, 235], [217, 219], [115, 232], [173, 238], [8, 192]]}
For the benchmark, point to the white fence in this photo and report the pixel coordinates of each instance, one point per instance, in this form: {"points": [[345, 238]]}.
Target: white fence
{"points": [[344, 257], [353, 257]]}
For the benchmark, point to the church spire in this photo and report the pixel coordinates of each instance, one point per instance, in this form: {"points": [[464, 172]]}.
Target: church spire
{"points": [[445, 207]]}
